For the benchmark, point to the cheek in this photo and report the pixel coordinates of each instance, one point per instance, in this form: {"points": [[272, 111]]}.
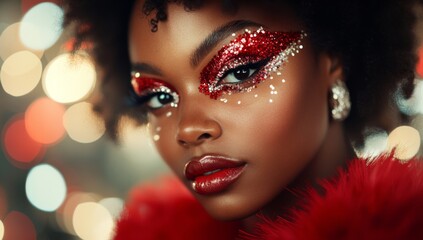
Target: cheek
{"points": [[285, 135], [163, 130], [294, 120]]}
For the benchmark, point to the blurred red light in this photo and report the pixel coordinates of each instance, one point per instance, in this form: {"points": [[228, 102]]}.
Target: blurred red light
{"points": [[18, 226], [18, 145], [419, 68], [44, 121]]}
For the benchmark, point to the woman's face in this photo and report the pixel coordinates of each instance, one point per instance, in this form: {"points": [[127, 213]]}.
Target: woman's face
{"points": [[237, 114]]}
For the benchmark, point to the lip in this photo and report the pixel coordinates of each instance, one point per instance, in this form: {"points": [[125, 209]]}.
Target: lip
{"points": [[211, 174]]}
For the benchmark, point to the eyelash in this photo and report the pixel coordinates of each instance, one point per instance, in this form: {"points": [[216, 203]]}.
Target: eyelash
{"points": [[242, 63], [250, 63], [256, 63], [152, 100], [153, 90], [270, 49]]}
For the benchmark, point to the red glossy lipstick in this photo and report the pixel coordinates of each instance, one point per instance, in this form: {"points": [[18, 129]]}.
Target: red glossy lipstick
{"points": [[211, 174]]}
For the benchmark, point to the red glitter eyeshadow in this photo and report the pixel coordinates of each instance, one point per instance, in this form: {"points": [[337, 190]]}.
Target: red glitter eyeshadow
{"points": [[248, 47], [143, 84]]}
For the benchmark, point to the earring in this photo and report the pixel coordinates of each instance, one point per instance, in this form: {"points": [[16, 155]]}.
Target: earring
{"points": [[339, 101]]}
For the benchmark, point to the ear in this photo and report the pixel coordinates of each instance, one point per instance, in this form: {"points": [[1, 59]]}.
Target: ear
{"points": [[332, 67]]}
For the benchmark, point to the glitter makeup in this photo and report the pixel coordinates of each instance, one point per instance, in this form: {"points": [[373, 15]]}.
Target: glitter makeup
{"points": [[154, 92], [251, 56]]}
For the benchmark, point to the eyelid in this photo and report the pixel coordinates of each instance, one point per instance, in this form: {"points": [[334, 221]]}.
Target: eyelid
{"points": [[146, 87], [141, 83], [260, 44], [251, 65]]}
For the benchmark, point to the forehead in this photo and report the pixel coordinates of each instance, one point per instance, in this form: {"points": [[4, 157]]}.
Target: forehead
{"points": [[183, 31]]}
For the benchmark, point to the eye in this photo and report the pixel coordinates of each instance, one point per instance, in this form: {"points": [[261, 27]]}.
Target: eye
{"points": [[242, 73], [159, 100], [238, 75], [152, 93]]}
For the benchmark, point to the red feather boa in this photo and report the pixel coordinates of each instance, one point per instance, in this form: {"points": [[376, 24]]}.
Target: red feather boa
{"points": [[380, 200], [166, 210]]}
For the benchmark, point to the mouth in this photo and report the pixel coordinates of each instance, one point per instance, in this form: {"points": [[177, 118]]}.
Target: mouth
{"points": [[212, 174]]}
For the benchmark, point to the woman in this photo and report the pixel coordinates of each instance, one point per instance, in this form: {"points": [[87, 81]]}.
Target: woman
{"points": [[253, 104]]}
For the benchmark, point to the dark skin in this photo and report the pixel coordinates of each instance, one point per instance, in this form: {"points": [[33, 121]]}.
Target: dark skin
{"points": [[287, 140]]}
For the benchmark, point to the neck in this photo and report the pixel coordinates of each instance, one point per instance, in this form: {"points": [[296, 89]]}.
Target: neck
{"points": [[334, 154]]}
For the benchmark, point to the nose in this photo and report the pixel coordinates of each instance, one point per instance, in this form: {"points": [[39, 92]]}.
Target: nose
{"points": [[196, 129]]}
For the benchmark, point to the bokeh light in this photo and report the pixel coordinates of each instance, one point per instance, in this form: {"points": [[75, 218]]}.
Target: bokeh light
{"points": [[18, 226], [20, 73], [10, 43], [44, 121], [406, 142], [45, 187], [374, 144], [41, 26], [1, 230], [113, 205], [3, 203], [28, 4], [18, 145], [419, 68], [82, 124], [413, 105], [417, 123], [64, 214], [135, 139], [69, 78], [92, 221]]}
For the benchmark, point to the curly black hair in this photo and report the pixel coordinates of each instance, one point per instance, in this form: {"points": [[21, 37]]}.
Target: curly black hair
{"points": [[375, 41]]}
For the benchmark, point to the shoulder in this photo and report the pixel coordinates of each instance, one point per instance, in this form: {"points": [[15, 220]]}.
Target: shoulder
{"points": [[165, 209], [377, 200]]}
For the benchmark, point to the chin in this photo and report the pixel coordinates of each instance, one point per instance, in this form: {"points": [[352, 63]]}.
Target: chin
{"points": [[222, 210], [229, 216]]}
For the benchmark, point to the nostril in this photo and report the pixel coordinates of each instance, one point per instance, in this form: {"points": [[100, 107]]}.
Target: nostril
{"points": [[194, 141], [204, 136], [181, 142]]}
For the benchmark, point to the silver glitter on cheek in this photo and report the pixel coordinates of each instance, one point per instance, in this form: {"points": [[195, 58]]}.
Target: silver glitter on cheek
{"points": [[273, 92], [156, 137], [255, 95], [270, 100], [239, 102], [168, 114]]}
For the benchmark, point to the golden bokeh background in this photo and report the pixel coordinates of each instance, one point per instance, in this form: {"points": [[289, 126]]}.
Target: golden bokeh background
{"points": [[60, 176]]}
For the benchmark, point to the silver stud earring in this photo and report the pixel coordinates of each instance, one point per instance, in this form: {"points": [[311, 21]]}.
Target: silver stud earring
{"points": [[339, 101]]}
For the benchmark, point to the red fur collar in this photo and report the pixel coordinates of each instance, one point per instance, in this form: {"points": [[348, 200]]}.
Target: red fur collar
{"points": [[380, 200]]}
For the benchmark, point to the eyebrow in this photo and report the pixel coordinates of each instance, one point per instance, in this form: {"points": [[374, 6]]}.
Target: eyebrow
{"points": [[204, 48], [216, 36], [146, 68]]}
